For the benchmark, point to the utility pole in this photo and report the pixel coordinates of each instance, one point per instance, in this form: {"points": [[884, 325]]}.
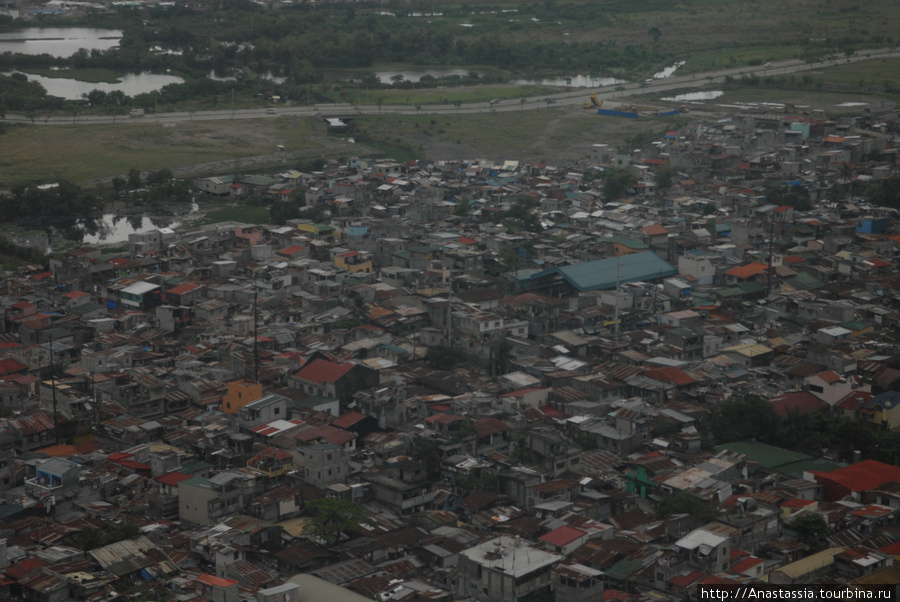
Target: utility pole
{"points": [[53, 392], [769, 271], [449, 310], [255, 330], [618, 265]]}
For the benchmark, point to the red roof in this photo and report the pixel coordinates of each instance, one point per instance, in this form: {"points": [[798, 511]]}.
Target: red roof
{"points": [[654, 230], [872, 511], [490, 426], [9, 365], [745, 565], [348, 419], [182, 289], [273, 452], [854, 400], [291, 250], [801, 402], [25, 567], [686, 580], [75, 295], [562, 536], [552, 412], [862, 476], [328, 434], [173, 478], [747, 271], [465, 240], [216, 581], [670, 374], [829, 377], [321, 371], [443, 419], [123, 459]]}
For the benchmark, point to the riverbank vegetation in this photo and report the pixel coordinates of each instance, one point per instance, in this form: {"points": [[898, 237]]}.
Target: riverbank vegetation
{"points": [[244, 54]]}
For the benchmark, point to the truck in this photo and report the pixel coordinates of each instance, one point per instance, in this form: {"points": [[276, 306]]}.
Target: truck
{"points": [[136, 113], [593, 102]]}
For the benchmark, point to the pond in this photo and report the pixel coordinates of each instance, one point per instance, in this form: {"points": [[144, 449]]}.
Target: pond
{"points": [[216, 77], [111, 229], [576, 81], [387, 76], [130, 83], [692, 96], [668, 71], [60, 42]]}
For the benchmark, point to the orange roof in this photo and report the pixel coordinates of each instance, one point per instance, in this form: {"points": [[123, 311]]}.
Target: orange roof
{"points": [[213, 580], [655, 229], [747, 271]]}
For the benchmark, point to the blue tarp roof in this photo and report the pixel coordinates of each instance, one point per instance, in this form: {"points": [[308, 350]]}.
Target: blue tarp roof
{"points": [[601, 274]]}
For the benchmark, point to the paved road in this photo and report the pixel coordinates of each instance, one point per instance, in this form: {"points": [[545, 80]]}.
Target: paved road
{"points": [[572, 97]]}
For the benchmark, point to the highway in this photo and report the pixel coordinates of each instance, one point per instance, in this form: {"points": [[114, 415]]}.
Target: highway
{"points": [[575, 96]]}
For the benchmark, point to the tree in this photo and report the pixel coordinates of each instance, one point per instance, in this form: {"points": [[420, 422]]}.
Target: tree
{"points": [[811, 529], [502, 354], [463, 207], [429, 453], [330, 519], [616, 183], [134, 178], [665, 176], [440, 357], [744, 418], [684, 503], [655, 33], [157, 178]]}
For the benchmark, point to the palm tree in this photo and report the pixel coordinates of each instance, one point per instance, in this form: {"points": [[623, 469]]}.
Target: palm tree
{"points": [[655, 33]]}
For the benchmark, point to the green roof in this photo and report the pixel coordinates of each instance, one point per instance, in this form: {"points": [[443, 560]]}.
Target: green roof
{"points": [[624, 569], [631, 243], [199, 482], [741, 289], [796, 469], [602, 273], [192, 467], [258, 180], [768, 456], [85, 308], [681, 331], [804, 282]]}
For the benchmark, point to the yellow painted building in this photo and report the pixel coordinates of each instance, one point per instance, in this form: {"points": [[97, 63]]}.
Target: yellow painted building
{"points": [[240, 393], [354, 262]]}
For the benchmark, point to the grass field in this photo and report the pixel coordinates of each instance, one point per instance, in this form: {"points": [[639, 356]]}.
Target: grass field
{"points": [[85, 75], [81, 153], [241, 213]]}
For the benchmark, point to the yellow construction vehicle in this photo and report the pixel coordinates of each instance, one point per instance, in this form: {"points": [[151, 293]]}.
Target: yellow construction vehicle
{"points": [[593, 103]]}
